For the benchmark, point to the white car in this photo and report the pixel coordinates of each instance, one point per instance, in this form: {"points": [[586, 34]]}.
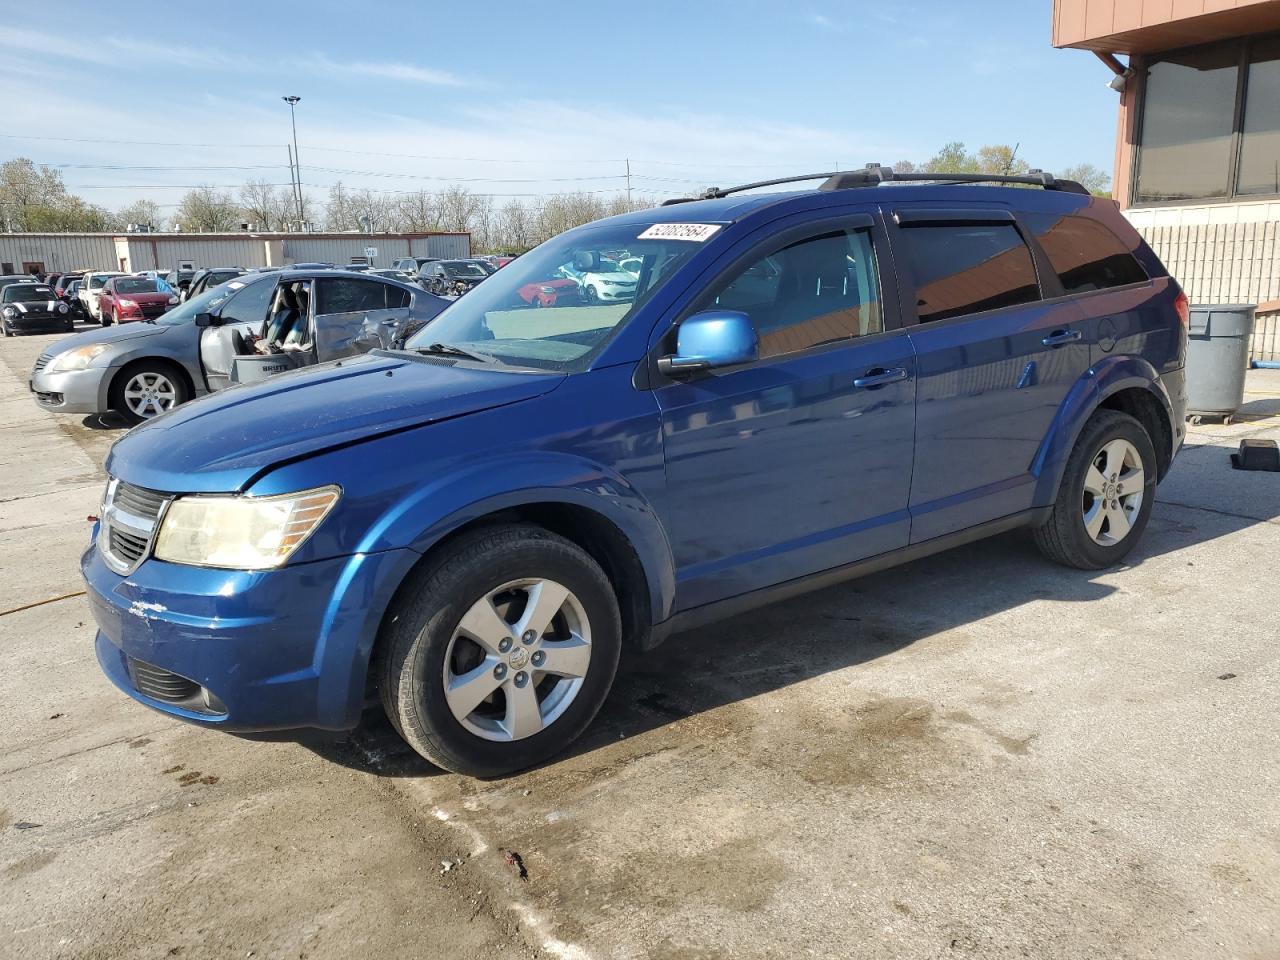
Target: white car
{"points": [[608, 283], [633, 265], [91, 289]]}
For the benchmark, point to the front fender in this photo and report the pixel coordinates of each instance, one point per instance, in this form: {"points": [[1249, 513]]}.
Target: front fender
{"points": [[1105, 378], [439, 508]]}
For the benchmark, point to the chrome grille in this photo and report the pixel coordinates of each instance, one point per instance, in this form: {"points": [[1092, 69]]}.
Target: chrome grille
{"points": [[141, 503], [42, 361], [130, 517]]}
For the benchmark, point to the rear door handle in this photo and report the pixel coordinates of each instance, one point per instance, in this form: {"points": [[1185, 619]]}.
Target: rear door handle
{"points": [[1059, 337], [879, 376]]}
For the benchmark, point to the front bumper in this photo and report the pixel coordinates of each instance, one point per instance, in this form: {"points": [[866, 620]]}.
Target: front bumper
{"points": [[607, 295], [74, 391], [45, 323], [244, 651]]}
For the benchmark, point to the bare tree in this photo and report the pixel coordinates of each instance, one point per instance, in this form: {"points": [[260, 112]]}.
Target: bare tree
{"points": [[140, 211], [266, 205], [205, 209], [417, 212]]}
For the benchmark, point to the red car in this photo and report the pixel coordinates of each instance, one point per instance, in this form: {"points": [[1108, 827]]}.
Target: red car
{"points": [[550, 292], [134, 298]]}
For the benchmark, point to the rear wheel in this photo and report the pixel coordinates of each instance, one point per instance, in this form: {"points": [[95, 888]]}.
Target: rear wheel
{"points": [[106, 317], [1105, 498], [499, 653], [147, 388]]}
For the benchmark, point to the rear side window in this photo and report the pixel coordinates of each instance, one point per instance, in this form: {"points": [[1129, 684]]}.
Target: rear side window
{"points": [[968, 268], [1084, 252], [820, 290], [396, 298], [344, 295]]}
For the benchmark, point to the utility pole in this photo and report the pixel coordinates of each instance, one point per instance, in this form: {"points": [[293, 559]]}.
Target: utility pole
{"points": [[292, 101], [628, 183], [293, 182]]}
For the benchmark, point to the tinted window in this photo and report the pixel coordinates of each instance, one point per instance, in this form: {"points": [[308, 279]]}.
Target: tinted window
{"points": [[1187, 117], [1085, 253], [250, 304], [396, 297], [136, 286], [1260, 139], [344, 295], [960, 269], [27, 293], [819, 290]]}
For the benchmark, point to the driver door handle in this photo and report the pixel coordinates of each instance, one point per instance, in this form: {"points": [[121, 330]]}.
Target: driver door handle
{"points": [[879, 376], [1059, 337]]}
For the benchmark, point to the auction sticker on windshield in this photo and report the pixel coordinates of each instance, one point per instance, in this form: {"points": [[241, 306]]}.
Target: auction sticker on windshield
{"points": [[697, 232]]}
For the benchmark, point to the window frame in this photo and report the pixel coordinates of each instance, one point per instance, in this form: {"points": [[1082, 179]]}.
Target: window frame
{"points": [[923, 216], [1244, 49], [863, 219]]}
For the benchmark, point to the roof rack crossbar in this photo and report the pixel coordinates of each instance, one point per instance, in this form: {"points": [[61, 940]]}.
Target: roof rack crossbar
{"points": [[874, 174]]}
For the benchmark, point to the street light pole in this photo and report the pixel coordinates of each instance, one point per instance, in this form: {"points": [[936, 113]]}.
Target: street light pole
{"points": [[292, 101]]}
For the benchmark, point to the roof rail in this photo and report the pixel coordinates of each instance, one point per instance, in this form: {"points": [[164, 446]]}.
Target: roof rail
{"points": [[873, 174]]}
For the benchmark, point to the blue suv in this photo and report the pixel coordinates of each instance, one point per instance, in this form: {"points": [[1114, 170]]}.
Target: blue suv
{"points": [[780, 391]]}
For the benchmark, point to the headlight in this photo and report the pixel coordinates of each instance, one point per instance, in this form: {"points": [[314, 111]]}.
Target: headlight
{"points": [[62, 308], [241, 533], [129, 304], [10, 312], [547, 289], [173, 300], [76, 359]]}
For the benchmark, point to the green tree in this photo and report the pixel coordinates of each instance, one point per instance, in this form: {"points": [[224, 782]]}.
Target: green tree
{"points": [[1096, 181]]}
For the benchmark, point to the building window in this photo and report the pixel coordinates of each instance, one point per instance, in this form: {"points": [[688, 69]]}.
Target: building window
{"points": [[1260, 130], [1211, 123]]}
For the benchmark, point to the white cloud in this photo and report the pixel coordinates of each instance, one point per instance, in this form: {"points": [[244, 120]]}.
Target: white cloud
{"points": [[407, 72], [130, 53]]}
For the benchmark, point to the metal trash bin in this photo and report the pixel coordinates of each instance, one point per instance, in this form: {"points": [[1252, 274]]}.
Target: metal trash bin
{"points": [[1217, 357]]}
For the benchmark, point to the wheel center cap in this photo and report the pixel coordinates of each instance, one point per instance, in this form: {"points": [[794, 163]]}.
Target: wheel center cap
{"points": [[519, 657]]}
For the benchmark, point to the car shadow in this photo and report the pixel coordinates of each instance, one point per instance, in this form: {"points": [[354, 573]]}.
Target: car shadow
{"points": [[110, 420], [832, 629]]}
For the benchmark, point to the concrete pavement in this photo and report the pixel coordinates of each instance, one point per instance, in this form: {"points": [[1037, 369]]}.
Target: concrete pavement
{"points": [[977, 755]]}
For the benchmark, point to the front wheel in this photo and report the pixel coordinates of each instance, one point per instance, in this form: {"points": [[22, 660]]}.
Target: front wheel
{"points": [[499, 652], [104, 317], [1104, 501], [147, 388]]}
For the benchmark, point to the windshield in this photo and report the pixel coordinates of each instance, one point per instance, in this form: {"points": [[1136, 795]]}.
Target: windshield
{"points": [[535, 312], [458, 268], [97, 282], [208, 301], [27, 293], [136, 286]]}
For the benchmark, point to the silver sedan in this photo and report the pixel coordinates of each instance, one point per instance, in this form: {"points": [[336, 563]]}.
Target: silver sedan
{"points": [[235, 332]]}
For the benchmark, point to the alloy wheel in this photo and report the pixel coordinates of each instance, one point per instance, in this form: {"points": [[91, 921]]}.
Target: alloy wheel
{"points": [[149, 394], [1114, 486], [517, 659]]}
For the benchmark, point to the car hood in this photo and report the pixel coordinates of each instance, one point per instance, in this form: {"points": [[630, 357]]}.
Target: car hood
{"points": [[114, 334], [613, 277], [221, 442]]}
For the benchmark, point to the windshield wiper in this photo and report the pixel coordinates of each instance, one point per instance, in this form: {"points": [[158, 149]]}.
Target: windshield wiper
{"points": [[448, 350]]}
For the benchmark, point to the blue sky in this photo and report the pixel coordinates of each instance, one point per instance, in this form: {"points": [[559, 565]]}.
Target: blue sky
{"points": [[528, 98]]}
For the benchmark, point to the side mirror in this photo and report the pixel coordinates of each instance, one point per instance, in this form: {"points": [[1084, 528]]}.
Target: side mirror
{"points": [[710, 339], [208, 320]]}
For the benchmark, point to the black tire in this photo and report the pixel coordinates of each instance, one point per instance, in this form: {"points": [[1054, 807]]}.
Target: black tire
{"points": [[104, 317], [4, 325], [115, 397], [589, 294], [1064, 538], [424, 617]]}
